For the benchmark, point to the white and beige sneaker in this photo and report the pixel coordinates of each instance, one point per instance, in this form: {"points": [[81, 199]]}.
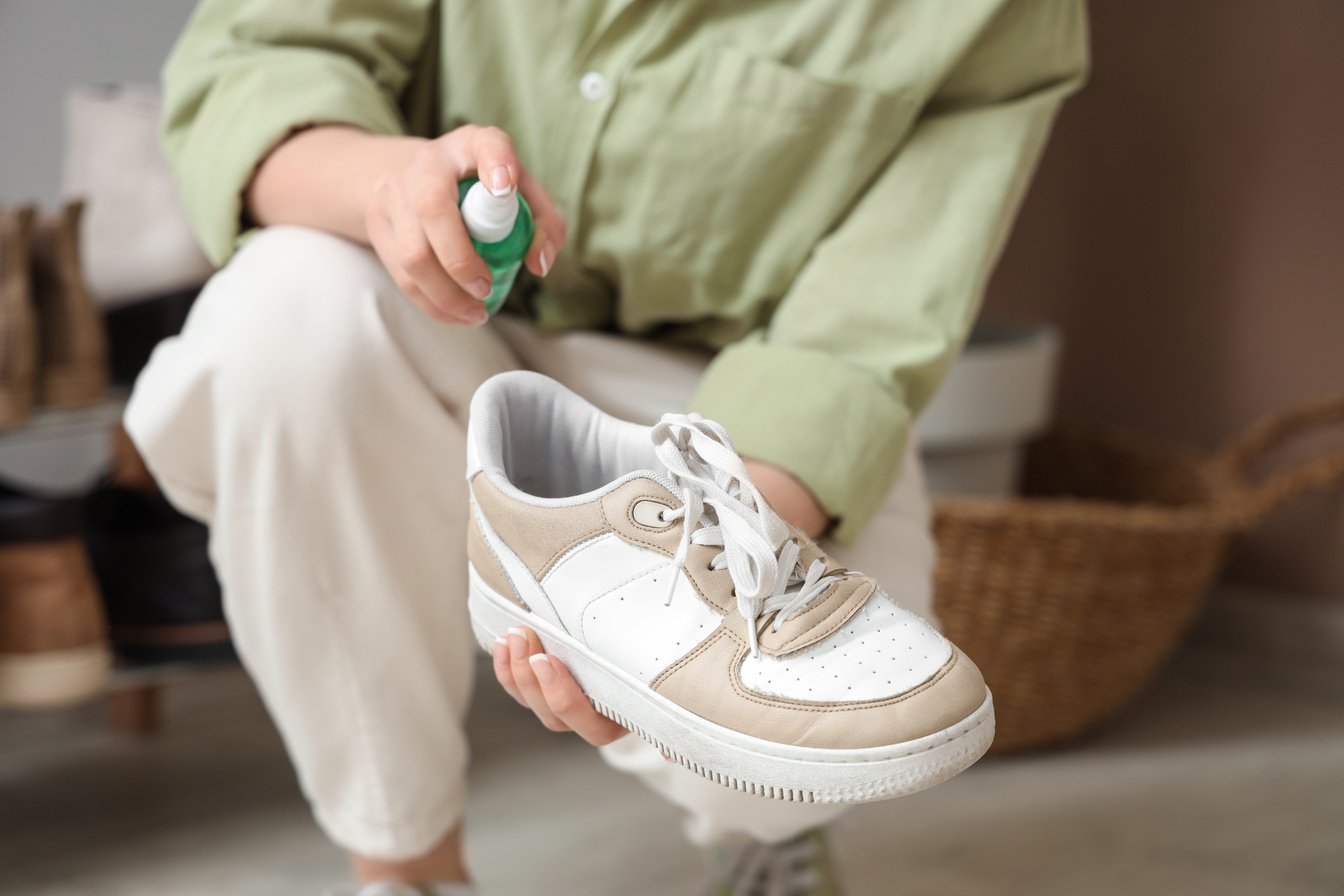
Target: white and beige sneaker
{"points": [[647, 562]]}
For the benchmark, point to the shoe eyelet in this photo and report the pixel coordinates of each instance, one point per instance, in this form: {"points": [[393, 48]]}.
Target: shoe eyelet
{"points": [[650, 514]]}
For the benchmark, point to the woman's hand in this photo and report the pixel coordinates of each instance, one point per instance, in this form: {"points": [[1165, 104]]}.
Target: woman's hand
{"points": [[414, 225], [399, 195], [543, 684]]}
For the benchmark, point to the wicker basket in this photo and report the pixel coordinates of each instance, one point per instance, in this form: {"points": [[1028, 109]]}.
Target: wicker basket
{"points": [[1071, 597]]}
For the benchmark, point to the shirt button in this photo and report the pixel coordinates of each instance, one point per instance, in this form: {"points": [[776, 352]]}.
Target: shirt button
{"points": [[594, 87]]}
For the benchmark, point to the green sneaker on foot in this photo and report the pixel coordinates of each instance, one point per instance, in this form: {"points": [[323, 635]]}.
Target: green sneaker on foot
{"points": [[798, 867], [388, 889]]}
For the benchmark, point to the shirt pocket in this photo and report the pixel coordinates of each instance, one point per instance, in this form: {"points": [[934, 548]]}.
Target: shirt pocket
{"points": [[753, 163]]}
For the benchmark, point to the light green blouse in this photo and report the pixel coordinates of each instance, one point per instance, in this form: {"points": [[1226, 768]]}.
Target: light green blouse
{"points": [[817, 187]]}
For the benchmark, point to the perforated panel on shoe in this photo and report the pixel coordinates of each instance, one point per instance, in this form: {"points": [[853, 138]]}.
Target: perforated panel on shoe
{"points": [[635, 627], [592, 569], [881, 651]]}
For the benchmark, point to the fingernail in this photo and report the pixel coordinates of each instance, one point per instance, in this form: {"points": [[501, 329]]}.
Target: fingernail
{"points": [[546, 259], [499, 181], [541, 665], [501, 641], [478, 317], [480, 288]]}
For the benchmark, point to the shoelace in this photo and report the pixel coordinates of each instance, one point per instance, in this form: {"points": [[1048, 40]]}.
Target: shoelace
{"points": [[721, 507]]}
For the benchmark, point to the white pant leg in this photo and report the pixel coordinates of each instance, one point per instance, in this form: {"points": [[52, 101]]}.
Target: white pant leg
{"points": [[315, 419], [639, 381]]}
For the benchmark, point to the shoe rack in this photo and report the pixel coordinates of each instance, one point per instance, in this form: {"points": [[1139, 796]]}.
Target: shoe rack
{"points": [[63, 453], [66, 453]]}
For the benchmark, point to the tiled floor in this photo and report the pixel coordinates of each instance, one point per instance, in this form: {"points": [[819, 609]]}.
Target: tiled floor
{"points": [[1224, 780]]}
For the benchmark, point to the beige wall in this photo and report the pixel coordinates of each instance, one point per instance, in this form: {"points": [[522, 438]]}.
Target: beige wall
{"points": [[1187, 232]]}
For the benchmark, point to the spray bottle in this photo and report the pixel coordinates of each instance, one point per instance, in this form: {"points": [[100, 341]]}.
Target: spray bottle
{"points": [[501, 231]]}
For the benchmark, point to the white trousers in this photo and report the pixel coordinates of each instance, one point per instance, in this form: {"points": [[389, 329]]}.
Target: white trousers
{"points": [[315, 420]]}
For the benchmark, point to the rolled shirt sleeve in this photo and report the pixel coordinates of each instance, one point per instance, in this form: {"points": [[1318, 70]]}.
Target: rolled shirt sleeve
{"points": [[828, 389], [246, 75]]}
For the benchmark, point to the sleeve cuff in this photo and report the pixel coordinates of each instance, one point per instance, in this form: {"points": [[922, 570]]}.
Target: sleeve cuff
{"points": [[829, 423], [251, 111]]}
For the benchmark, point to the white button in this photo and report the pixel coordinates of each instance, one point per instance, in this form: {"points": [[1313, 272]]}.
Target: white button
{"points": [[594, 87]]}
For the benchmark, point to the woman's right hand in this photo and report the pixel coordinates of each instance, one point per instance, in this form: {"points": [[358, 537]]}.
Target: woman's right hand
{"points": [[399, 195], [413, 222]]}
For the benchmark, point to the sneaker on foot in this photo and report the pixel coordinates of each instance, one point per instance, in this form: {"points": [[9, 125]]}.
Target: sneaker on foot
{"points": [[647, 562], [798, 867], [389, 889]]}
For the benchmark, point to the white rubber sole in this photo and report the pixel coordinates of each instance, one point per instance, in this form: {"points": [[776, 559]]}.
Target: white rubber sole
{"points": [[737, 760], [53, 677]]}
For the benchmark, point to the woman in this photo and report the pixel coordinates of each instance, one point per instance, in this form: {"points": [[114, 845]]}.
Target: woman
{"points": [[805, 199]]}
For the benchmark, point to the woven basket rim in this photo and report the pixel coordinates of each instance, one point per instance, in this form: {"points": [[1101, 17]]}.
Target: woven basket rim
{"points": [[1177, 452], [1215, 512], [1213, 515]]}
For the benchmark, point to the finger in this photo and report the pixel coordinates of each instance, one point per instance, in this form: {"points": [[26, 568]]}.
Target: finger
{"points": [[568, 701], [384, 246], [494, 161], [550, 228], [432, 186], [499, 657], [417, 257], [522, 644]]}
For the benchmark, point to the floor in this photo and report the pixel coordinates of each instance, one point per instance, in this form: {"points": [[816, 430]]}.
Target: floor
{"points": [[1224, 780]]}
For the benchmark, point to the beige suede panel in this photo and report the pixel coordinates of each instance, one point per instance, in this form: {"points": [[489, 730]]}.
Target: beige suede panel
{"points": [[822, 618], [706, 682], [617, 506], [824, 615], [538, 535], [715, 587], [486, 564]]}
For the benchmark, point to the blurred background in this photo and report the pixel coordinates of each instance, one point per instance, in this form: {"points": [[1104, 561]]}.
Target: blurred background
{"points": [[1161, 343]]}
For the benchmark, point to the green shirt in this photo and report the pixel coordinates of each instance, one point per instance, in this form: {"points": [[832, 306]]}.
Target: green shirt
{"points": [[819, 188]]}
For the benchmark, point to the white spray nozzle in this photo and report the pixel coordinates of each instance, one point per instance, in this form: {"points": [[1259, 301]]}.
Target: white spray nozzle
{"points": [[489, 218]]}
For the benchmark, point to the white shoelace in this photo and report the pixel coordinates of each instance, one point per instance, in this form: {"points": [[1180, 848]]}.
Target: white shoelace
{"points": [[722, 508]]}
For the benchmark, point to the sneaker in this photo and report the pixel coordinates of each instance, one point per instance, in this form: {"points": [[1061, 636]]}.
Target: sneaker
{"points": [[798, 867], [647, 562], [386, 889]]}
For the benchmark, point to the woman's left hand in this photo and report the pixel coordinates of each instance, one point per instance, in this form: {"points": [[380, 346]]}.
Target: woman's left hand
{"points": [[542, 684]]}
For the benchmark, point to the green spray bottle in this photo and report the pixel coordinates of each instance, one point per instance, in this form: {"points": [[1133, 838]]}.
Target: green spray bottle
{"points": [[501, 228]]}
